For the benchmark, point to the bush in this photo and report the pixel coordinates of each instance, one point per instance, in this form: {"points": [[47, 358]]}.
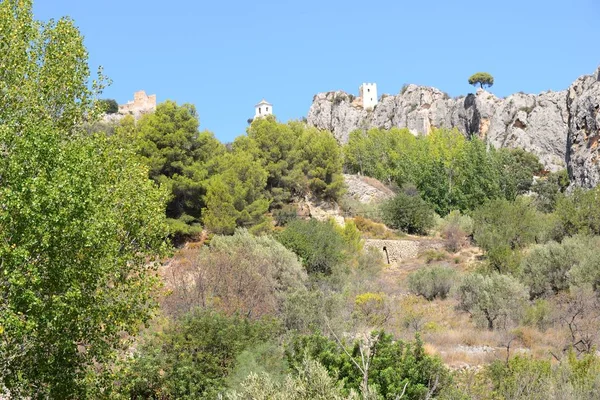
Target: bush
{"points": [[192, 356], [109, 106], [395, 365], [239, 273], [579, 212], [371, 308], [456, 228], [545, 268], [373, 229], [503, 228], [496, 298], [432, 282], [318, 244], [285, 214], [409, 213], [312, 382]]}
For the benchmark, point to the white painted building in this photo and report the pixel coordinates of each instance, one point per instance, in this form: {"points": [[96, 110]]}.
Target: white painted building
{"points": [[368, 93], [263, 109]]}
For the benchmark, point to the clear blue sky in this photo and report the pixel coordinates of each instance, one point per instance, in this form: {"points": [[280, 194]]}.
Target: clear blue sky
{"points": [[225, 56]]}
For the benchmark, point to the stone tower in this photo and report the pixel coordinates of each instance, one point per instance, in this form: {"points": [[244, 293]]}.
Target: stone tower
{"points": [[263, 109], [368, 94]]}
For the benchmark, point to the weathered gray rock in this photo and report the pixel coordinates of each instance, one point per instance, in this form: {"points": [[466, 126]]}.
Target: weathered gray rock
{"points": [[561, 128], [365, 189], [583, 104]]}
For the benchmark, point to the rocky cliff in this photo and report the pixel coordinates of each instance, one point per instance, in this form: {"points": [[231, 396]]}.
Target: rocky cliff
{"points": [[561, 128]]}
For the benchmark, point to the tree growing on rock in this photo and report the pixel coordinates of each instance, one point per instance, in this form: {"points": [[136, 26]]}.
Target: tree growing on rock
{"points": [[483, 79]]}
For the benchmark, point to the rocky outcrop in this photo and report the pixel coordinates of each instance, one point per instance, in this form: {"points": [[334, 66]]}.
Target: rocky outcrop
{"points": [[365, 189], [561, 128], [583, 103]]}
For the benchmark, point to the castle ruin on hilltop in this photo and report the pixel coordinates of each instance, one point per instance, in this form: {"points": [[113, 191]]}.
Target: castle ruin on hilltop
{"points": [[141, 104]]}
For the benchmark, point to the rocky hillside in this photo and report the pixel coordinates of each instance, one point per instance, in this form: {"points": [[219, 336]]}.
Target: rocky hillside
{"points": [[561, 128]]}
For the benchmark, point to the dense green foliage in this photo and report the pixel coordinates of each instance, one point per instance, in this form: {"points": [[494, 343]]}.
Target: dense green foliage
{"points": [[503, 228], [496, 298], [179, 159], [81, 224], [192, 357], [109, 106], [450, 172], [482, 79], [408, 213], [432, 282], [393, 365], [318, 244]]}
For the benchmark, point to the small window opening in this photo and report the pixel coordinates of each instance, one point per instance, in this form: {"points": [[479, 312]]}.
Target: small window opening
{"points": [[267, 109], [259, 111]]}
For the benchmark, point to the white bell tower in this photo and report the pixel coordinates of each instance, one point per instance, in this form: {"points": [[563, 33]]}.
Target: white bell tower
{"points": [[263, 109]]}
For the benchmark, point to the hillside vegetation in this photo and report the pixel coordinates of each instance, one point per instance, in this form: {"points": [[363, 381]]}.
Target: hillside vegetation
{"points": [[147, 260]]}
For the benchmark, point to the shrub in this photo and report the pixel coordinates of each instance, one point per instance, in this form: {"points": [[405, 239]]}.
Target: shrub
{"points": [[432, 255], [318, 244], [312, 381], [192, 356], [239, 273], [545, 268], [520, 377], [456, 229], [495, 298], [109, 106], [373, 229], [285, 214], [395, 366], [371, 308], [579, 212], [503, 228], [432, 282], [409, 213]]}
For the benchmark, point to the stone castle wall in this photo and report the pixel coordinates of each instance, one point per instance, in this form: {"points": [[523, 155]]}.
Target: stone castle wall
{"points": [[141, 104]]}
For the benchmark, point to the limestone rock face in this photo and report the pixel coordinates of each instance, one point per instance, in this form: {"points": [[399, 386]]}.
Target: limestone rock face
{"points": [[365, 189], [561, 128], [583, 103], [536, 123]]}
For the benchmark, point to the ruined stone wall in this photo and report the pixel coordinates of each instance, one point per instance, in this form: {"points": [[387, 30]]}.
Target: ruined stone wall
{"points": [[397, 250], [141, 104]]}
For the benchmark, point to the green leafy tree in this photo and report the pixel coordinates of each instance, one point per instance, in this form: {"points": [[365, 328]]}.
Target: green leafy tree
{"points": [[318, 156], [179, 158], [318, 244], [192, 357], [483, 79], [432, 282], [109, 106], [409, 213], [517, 169], [579, 212], [395, 368], [44, 72], [235, 195], [548, 189], [495, 298], [80, 222], [503, 228], [297, 159]]}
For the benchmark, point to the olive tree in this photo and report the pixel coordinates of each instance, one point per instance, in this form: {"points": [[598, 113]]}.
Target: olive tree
{"points": [[497, 298]]}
